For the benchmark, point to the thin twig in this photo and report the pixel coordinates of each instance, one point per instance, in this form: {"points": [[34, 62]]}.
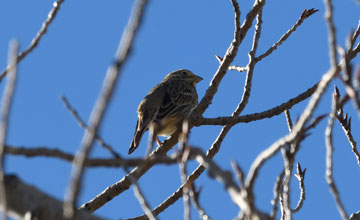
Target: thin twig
{"points": [[189, 189], [285, 194], [198, 121], [249, 208], [301, 177], [329, 159], [277, 193], [345, 123], [288, 119], [332, 32], [84, 126], [195, 200], [89, 162], [288, 165], [182, 161], [239, 35], [101, 104], [354, 36], [297, 130], [5, 112], [183, 174], [52, 14], [141, 198], [304, 15], [239, 173]]}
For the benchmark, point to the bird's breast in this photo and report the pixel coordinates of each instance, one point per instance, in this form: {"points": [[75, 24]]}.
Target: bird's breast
{"points": [[168, 126]]}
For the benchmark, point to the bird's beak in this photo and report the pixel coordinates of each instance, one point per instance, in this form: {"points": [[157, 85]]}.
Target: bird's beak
{"points": [[197, 78]]}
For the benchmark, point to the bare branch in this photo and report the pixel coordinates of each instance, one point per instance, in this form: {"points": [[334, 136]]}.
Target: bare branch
{"points": [[84, 126], [182, 161], [198, 121], [51, 16], [297, 130], [345, 123], [194, 195], [288, 119], [27, 202], [354, 36], [304, 15], [277, 193], [101, 105], [300, 176], [222, 176], [285, 194], [93, 162], [141, 198], [239, 35], [239, 173], [5, 112], [332, 32], [329, 159]]}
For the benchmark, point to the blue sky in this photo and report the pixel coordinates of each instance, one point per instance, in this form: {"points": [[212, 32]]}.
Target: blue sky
{"points": [[72, 60]]}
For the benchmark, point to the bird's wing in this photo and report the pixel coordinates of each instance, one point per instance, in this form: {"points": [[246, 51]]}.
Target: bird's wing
{"points": [[147, 112], [149, 107], [180, 97]]}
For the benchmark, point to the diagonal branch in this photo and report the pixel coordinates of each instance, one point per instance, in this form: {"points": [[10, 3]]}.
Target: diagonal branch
{"points": [[239, 35], [329, 158], [101, 104], [304, 15], [332, 32], [230, 120], [297, 130], [84, 126]]}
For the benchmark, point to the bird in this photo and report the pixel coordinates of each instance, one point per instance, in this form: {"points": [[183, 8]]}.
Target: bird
{"points": [[166, 105]]}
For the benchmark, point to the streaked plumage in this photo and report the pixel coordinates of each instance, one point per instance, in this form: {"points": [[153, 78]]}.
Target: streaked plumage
{"points": [[167, 104]]}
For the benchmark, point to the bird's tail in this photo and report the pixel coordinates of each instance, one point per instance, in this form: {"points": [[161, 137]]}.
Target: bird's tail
{"points": [[136, 139]]}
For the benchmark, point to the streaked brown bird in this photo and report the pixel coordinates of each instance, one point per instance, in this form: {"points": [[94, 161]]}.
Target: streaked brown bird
{"points": [[166, 105]]}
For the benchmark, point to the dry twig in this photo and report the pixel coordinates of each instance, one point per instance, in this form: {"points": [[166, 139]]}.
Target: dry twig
{"points": [[329, 159], [300, 176], [345, 123], [51, 16], [198, 121], [304, 15], [141, 198], [89, 162], [84, 126]]}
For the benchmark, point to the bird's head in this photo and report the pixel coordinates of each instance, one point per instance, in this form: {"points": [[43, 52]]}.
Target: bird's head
{"points": [[183, 74]]}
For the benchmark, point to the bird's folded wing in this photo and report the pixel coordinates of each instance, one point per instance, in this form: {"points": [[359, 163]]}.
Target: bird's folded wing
{"points": [[179, 96]]}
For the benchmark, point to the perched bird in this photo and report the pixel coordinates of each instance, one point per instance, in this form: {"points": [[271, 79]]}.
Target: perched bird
{"points": [[166, 105]]}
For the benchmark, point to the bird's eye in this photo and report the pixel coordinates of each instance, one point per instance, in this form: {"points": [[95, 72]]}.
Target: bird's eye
{"points": [[184, 73]]}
